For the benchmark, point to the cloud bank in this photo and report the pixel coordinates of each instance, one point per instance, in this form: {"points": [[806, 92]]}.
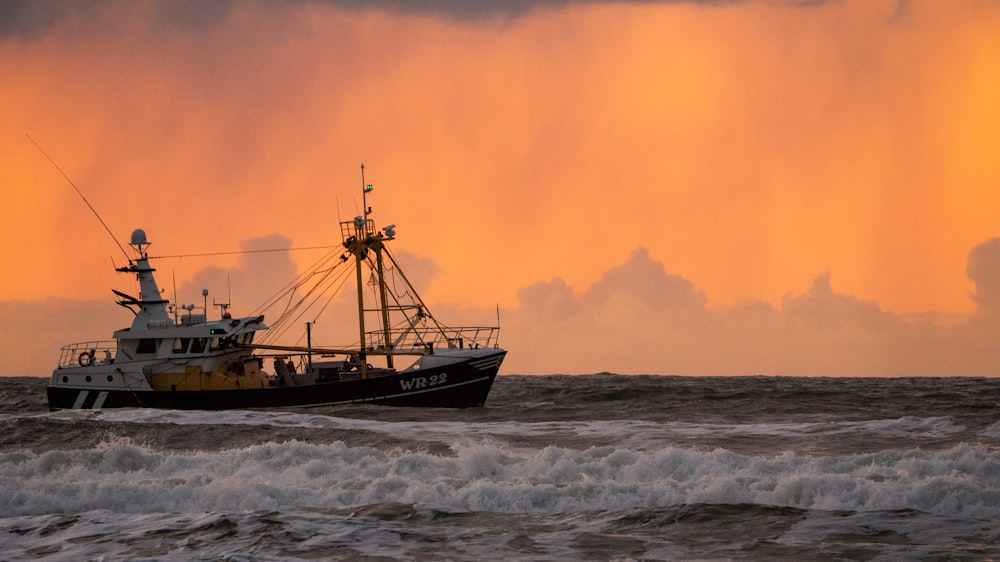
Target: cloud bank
{"points": [[637, 319], [640, 319]]}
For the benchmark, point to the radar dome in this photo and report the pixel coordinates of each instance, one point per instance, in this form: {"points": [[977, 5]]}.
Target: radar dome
{"points": [[139, 237]]}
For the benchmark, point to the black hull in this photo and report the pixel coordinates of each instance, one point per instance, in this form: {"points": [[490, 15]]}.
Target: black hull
{"points": [[457, 385]]}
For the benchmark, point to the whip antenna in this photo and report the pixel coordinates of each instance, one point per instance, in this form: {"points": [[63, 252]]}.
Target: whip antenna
{"points": [[80, 193]]}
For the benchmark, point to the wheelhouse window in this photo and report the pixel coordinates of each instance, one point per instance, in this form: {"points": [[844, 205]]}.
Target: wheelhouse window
{"points": [[147, 345], [181, 345], [198, 345]]}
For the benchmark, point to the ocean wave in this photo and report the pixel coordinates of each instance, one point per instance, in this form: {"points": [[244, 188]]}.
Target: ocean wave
{"points": [[910, 426], [484, 475]]}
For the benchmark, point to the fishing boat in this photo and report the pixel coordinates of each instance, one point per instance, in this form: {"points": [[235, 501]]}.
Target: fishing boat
{"points": [[182, 360]]}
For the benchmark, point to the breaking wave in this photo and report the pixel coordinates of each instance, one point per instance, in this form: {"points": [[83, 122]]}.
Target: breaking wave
{"points": [[482, 475]]}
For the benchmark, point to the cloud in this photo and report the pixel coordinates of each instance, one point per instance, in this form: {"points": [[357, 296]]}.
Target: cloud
{"points": [[32, 332], [27, 18], [31, 18], [826, 310], [640, 319], [646, 281], [484, 9], [258, 275], [419, 270], [901, 11], [552, 299], [984, 270]]}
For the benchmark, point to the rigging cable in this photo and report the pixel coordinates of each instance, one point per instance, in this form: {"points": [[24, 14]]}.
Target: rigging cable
{"points": [[295, 283], [80, 193], [293, 304], [244, 252], [292, 312], [292, 316]]}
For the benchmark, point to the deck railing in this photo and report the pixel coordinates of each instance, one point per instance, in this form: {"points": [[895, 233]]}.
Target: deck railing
{"points": [[426, 340], [87, 353]]}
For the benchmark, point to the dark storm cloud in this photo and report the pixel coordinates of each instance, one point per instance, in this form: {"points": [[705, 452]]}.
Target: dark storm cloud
{"points": [[29, 18], [471, 10]]}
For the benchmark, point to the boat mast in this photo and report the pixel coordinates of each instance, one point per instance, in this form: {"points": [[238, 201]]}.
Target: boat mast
{"points": [[361, 232], [383, 305], [309, 344], [365, 238], [376, 244]]}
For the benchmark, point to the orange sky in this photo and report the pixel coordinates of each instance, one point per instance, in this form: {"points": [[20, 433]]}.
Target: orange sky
{"points": [[747, 148]]}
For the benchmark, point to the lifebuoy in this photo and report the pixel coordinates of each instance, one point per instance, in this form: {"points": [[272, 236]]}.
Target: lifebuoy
{"points": [[85, 359]]}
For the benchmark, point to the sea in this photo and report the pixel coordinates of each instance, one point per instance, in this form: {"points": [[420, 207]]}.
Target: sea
{"points": [[595, 467]]}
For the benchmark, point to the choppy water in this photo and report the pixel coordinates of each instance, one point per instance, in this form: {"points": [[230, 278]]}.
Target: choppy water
{"points": [[599, 467]]}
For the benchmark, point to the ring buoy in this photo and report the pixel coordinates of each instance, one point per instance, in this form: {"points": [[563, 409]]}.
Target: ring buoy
{"points": [[85, 359]]}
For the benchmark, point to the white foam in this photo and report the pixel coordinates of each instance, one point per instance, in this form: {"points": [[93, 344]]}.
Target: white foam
{"points": [[484, 475], [991, 432]]}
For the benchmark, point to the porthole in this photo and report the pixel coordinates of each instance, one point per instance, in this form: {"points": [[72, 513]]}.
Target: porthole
{"points": [[88, 378], [65, 378], [110, 378]]}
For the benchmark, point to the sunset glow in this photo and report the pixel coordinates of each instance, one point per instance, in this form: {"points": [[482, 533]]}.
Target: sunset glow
{"points": [[760, 152]]}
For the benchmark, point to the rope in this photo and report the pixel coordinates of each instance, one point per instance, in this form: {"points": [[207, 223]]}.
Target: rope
{"points": [[243, 252]]}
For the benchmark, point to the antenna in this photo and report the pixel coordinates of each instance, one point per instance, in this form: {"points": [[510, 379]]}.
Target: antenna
{"points": [[364, 193], [80, 193], [224, 306], [174, 305]]}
